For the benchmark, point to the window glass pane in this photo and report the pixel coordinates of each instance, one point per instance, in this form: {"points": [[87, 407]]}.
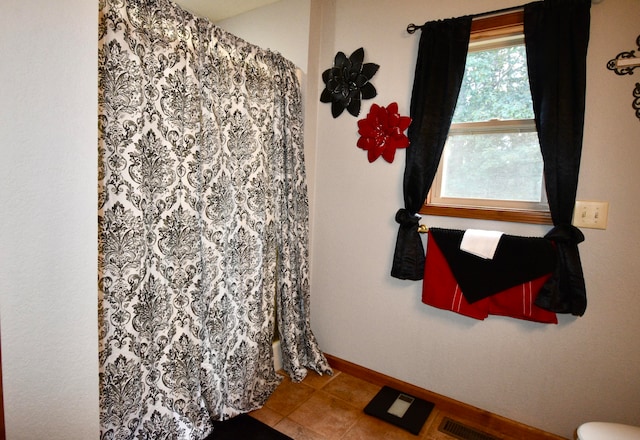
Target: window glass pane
{"points": [[495, 86], [491, 167], [495, 166]]}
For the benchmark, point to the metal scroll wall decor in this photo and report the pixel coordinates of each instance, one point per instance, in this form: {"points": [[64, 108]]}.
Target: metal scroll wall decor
{"points": [[624, 64]]}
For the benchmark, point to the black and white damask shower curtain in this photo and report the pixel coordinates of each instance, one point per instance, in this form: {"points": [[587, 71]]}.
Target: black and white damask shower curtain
{"points": [[203, 223]]}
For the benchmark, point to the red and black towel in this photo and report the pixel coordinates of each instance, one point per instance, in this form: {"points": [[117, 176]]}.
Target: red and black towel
{"points": [[506, 285]]}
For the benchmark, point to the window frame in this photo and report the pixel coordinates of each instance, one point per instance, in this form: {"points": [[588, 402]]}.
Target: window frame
{"points": [[495, 26]]}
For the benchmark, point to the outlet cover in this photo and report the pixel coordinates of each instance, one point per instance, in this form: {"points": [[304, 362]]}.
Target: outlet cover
{"points": [[590, 214]]}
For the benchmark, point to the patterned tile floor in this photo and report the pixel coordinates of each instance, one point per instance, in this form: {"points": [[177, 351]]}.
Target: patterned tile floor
{"points": [[331, 408]]}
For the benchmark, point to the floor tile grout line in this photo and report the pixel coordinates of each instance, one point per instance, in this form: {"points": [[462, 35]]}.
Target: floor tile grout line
{"points": [[322, 389], [315, 391], [354, 424], [323, 386], [361, 413]]}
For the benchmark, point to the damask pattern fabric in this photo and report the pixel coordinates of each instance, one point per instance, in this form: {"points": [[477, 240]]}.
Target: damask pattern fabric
{"points": [[203, 223]]}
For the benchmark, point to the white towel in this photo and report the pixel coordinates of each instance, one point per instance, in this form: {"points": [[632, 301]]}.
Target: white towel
{"points": [[481, 243]]}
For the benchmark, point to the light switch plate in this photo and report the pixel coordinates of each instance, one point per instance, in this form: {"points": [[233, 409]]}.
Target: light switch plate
{"points": [[590, 214]]}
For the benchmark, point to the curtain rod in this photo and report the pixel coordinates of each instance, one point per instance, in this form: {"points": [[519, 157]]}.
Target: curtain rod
{"points": [[412, 28]]}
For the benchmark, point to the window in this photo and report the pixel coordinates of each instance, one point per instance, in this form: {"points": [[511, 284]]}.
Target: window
{"points": [[492, 167]]}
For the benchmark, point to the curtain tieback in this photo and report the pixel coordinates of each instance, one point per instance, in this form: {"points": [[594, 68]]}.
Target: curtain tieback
{"points": [[565, 233], [406, 219]]}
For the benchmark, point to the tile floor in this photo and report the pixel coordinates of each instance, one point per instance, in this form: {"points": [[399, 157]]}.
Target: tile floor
{"points": [[331, 408]]}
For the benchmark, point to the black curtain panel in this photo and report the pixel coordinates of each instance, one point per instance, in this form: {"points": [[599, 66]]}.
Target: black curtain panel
{"points": [[556, 39], [442, 55]]}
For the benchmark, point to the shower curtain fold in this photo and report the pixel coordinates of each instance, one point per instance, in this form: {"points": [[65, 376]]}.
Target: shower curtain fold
{"points": [[203, 223]]}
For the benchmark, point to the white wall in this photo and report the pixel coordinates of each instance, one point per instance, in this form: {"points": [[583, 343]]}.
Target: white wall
{"points": [[48, 170], [552, 377], [282, 27]]}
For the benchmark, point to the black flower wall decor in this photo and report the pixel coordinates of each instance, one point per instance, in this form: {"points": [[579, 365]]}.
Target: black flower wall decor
{"points": [[347, 83]]}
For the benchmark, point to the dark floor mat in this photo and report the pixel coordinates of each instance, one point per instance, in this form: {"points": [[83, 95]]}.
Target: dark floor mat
{"points": [[244, 427]]}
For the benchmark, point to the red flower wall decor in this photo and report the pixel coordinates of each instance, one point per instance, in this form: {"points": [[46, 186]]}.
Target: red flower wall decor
{"points": [[382, 132]]}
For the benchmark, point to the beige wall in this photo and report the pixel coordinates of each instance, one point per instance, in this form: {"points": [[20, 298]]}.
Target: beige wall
{"points": [[282, 26], [553, 377], [48, 238]]}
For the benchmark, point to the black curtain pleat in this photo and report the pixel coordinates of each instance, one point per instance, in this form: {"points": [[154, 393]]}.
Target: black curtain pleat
{"points": [[556, 39], [442, 55]]}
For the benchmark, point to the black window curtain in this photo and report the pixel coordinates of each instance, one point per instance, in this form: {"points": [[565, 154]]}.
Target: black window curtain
{"points": [[442, 55], [556, 39]]}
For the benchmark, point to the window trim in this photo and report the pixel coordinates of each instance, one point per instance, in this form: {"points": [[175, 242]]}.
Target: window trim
{"points": [[487, 127], [502, 25], [499, 25]]}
